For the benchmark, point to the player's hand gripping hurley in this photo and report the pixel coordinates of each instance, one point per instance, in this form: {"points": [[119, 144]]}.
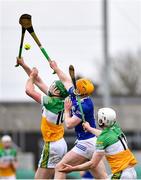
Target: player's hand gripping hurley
{"points": [[72, 75]]}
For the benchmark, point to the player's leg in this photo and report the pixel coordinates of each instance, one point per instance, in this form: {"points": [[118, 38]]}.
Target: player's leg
{"points": [[99, 172], [52, 153], [71, 158], [44, 173], [86, 148]]}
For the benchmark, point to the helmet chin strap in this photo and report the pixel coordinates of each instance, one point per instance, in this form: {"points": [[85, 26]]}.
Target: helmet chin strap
{"points": [[78, 94]]}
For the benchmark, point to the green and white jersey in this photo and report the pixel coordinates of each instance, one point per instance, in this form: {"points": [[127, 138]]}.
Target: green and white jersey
{"points": [[113, 142], [53, 109], [7, 155], [53, 104], [52, 118], [110, 136]]}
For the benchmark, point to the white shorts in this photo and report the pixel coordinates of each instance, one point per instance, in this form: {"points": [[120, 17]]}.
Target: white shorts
{"points": [[85, 148], [128, 173], [13, 177], [52, 153]]}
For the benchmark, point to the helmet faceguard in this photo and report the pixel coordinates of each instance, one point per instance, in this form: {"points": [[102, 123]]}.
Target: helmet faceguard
{"points": [[57, 89], [106, 117]]}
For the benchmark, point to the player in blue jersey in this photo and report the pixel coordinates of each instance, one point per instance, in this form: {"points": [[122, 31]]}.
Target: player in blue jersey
{"points": [[86, 141], [87, 106]]}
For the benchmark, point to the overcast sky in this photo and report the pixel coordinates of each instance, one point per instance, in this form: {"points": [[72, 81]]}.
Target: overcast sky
{"points": [[70, 31]]}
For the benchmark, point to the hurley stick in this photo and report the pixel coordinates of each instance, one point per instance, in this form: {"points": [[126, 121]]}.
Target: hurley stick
{"points": [[72, 75]]}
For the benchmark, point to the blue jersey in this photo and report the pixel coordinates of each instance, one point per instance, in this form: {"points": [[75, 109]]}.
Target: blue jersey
{"points": [[88, 110]]}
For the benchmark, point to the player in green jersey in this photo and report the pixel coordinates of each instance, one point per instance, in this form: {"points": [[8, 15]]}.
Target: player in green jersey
{"points": [[112, 143], [8, 159], [52, 128]]}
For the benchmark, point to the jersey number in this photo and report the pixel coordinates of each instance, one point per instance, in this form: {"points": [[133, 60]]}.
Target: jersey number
{"points": [[60, 118]]}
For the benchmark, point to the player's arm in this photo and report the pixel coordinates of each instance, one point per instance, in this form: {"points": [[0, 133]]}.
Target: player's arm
{"points": [[71, 122], [38, 81], [95, 131], [62, 76], [14, 164], [97, 157], [30, 89]]}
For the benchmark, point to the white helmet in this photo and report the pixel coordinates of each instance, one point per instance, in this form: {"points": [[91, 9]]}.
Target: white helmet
{"points": [[6, 138], [106, 117]]}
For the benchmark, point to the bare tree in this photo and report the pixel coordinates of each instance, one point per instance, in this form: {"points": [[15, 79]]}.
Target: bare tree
{"points": [[125, 74]]}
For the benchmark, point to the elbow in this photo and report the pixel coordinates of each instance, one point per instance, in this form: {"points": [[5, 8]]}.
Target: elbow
{"points": [[69, 125], [28, 92]]}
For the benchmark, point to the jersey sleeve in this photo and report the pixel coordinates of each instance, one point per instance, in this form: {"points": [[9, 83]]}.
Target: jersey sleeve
{"points": [[71, 91], [1, 152], [46, 101], [14, 152], [52, 104], [101, 143]]}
